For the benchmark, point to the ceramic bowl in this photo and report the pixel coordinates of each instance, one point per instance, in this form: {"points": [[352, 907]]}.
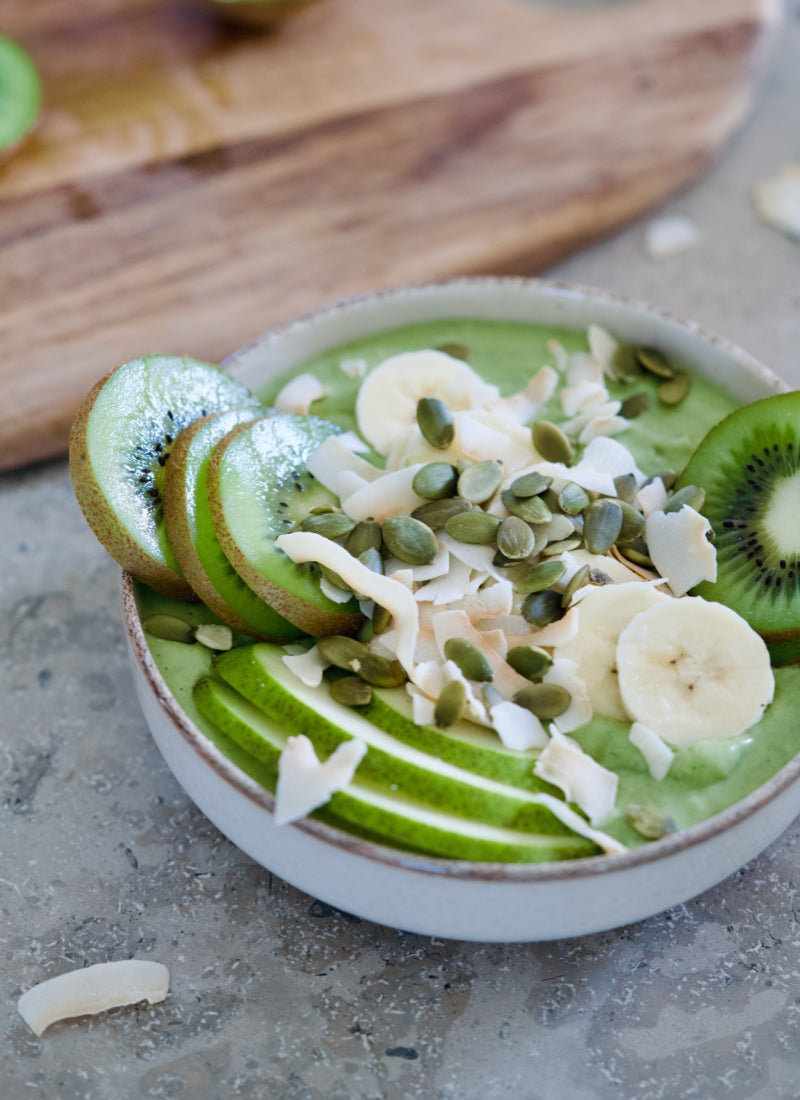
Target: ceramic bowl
{"points": [[449, 898]]}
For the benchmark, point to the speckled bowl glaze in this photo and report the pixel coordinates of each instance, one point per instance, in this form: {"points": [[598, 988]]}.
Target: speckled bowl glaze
{"points": [[454, 899]]}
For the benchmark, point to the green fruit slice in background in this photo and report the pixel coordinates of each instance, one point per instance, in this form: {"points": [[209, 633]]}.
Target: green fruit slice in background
{"points": [[20, 94]]}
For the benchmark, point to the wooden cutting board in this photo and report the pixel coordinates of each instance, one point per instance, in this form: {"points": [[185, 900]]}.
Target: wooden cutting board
{"points": [[191, 185]]}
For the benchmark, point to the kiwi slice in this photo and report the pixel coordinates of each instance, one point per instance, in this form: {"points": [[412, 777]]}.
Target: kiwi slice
{"points": [[119, 446], [20, 94], [191, 534], [749, 466], [259, 488]]}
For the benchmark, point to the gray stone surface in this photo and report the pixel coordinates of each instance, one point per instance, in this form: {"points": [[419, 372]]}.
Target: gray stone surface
{"points": [[274, 995]]}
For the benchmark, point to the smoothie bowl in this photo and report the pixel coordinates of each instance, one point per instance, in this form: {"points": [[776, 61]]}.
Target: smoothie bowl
{"points": [[486, 647]]}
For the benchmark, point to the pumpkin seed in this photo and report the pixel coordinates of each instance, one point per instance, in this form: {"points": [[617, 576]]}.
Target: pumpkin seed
{"points": [[540, 576], [366, 535], [551, 443], [410, 540], [366, 632], [334, 577], [542, 608], [602, 523], [479, 482], [436, 513], [463, 464], [576, 581], [531, 509], [380, 619], [530, 485], [455, 351], [450, 704], [637, 552], [380, 671], [673, 390], [668, 477], [169, 628], [491, 696], [352, 691], [469, 659], [515, 539], [634, 405], [436, 422], [529, 661], [476, 527], [215, 636], [625, 487], [501, 561], [563, 546], [331, 525], [435, 481], [323, 509], [573, 499], [343, 652], [543, 700], [655, 362], [632, 522], [373, 560], [648, 822], [625, 364], [691, 495]]}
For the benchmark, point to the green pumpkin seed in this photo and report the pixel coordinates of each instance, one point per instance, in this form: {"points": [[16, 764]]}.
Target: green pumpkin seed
{"points": [[632, 522], [366, 632], [602, 523], [471, 661], [515, 539], [169, 628], [476, 527], [334, 578], [529, 661], [450, 704], [331, 525], [648, 822], [551, 443], [530, 485], [435, 481], [668, 478], [563, 546], [436, 513], [436, 422], [544, 700], [573, 499], [373, 560], [463, 464], [351, 691], [625, 364], [381, 672], [576, 581], [323, 509], [410, 540], [531, 509], [380, 619], [626, 488], [637, 552], [690, 495], [343, 652], [366, 535], [479, 482], [542, 608], [540, 576], [491, 696], [502, 562], [634, 405], [455, 351], [673, 390], [215, 636], [655, 362]]}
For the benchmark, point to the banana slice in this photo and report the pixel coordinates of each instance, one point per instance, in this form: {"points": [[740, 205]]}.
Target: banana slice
{"points": [[386, 406], [693, 671], [603, 614]]}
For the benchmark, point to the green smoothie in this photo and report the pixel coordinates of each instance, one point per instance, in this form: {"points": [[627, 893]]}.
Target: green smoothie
{"points": [[704, 778]]}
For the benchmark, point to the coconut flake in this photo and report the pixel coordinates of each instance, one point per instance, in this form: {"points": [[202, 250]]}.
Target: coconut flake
{"points": [[332, 458], [93, 989], [307, 666], [583, 395], [524, 405], [603, 347], [389, 495], [679, 547], [653, 496], [583, 781], [353, 368], [656, 752], [777, 200], [443, 590], [610, 457], [487, 435], [603, 426], [575, 822], [422, 708], [667, 236], [304, 783], [299, 394], [353, 442], [517, 727], [334, 593], [564, 672]]}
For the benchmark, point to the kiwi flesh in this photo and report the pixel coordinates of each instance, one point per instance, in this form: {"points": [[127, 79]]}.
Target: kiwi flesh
{"points": [[258, 489], [120, 444], [20, 95], [191, 534], [749, 467]]}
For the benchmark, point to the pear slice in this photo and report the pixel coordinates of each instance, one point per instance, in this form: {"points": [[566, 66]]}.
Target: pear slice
{"points": [[258, 489], [389, 815], [119, 446], [191, 533]]}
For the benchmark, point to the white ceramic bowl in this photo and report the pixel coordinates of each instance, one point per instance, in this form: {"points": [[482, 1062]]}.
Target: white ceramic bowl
{"points": [[460, 900]]}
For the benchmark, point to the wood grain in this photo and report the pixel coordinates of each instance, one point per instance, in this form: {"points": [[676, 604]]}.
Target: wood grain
{"points": [[191, 185]]}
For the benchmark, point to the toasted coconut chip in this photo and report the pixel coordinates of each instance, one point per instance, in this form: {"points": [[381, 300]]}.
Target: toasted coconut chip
{"points": [[488, 435], [332, 458], [93, 989], [443, 590], [308, 666], [777, 200], [652, 497], [583, 367], [554, 634], [668, 236], [583, 474], [298, 395], [353, 368], [610, 457], [353, 442], [603, 347], [422, 708], [679, 547], [582, 396], [583, 781], [564, 672], [517, 727], [523, 406], [304, 783], [495, 599], [575, 822], [302, 546], [389, 495], [655, 751], [602, 426], [334, 593]]}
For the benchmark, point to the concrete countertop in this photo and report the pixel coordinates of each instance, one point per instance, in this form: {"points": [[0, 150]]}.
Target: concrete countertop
{"points": [[275, 995]]}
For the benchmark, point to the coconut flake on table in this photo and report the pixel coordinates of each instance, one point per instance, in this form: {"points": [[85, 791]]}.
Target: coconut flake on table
{"points": [[93, 989], [656, 752], [679, 547], [670, 235], [307, 666], [582, 780], [299, 394], [304, 783], [777, 200]]}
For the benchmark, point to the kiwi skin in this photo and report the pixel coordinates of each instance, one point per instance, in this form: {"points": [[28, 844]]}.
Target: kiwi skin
{"points": [[741, 464]]}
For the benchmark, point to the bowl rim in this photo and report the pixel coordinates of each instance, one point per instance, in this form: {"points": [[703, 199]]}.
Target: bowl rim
{"points": [[586, 867]]}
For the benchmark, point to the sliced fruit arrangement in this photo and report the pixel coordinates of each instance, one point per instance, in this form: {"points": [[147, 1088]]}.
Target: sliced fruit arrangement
{"points": [[20, 95]]}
